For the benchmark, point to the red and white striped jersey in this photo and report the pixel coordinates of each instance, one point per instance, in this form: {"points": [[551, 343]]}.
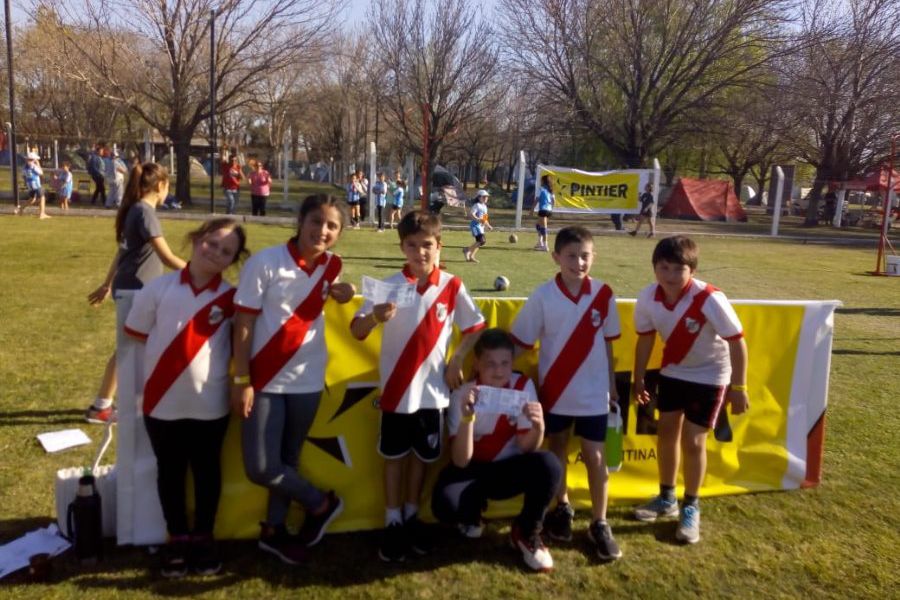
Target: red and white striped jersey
{"points": [[288, 352], [699, 343], [414, 343], [188, 336], [573, 330], [494, 435]]}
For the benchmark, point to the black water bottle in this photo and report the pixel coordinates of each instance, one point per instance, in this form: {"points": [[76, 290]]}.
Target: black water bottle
{"points": [[85, 521]]}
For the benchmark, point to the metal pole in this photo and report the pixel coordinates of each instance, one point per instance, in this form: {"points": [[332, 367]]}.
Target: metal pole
{"points": [[55, 154], [426, 113], [520, 193], [886, 206], [779, 192], [285, 149], [213, 163], [372, 178], [657, 171], [11, 125]]}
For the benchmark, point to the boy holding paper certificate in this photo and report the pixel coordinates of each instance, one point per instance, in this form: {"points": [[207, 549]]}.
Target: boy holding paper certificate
{"points": [[575, 318], [415, 376], [495, 454]]}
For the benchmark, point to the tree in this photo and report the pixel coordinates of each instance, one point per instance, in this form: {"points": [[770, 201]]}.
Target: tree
{"points": [[153, 57], [844, 86], [638, 74], [436, 63]]}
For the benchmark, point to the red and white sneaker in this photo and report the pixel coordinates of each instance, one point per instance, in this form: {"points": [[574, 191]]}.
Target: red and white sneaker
{"points": [[534, 552], [100, 416]]}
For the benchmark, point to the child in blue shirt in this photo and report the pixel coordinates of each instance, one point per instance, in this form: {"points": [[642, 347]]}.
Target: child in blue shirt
{"points": [[63, 184], [397, 207], [32, 176], [380, 189], [543, 206], [479, 215]]}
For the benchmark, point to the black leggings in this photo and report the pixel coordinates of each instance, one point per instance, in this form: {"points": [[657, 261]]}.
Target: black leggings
{"points": [[380, 210], [258, 205], [178, 444], [99, 190], [460, 495]]}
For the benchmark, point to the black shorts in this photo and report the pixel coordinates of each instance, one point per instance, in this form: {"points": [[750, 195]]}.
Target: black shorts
{"points": [[420, 432], [700, 402], [479, 239], [35, 194], [353, 202], [545, 213], [646, 211], [591, 427]]}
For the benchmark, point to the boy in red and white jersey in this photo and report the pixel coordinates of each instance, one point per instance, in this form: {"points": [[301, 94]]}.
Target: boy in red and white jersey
{"points": [[575, 318], [704, 365], [496, 456], [415, 376]]}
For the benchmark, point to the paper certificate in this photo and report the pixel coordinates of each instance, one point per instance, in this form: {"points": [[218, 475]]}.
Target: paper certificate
{"points": [[379, 292], [500, 401]]}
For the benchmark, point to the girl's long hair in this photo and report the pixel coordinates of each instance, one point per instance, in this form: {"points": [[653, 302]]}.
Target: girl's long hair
{"points": [[143, 179], [547, 183]]}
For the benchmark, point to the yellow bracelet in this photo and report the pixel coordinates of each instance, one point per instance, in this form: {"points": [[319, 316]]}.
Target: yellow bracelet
{"points": [[468, 419], [241, 380], [738, 387]]}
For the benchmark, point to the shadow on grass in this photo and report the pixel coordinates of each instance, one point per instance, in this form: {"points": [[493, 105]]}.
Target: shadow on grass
{"points": [[867, 352], [41, 417], [878, 311], [662, 531]]}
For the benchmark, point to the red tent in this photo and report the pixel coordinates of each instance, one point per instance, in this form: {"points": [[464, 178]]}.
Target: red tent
{"points": [[874, 181], [703, 200]]}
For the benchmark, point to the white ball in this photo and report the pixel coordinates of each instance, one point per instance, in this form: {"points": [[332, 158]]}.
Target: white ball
{"points": [[513, 238], [501, 283]]}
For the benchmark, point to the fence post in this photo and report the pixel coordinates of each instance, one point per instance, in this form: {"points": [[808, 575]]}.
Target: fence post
{"points": [[779, 192]]}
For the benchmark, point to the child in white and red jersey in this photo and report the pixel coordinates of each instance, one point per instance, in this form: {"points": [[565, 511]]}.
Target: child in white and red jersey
{"points": [[415, 377], [185, 319], [704, 364], [496, 456], [575, 318], [279, 365]]}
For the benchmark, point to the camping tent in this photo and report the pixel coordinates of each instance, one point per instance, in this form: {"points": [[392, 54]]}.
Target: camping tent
{"points": [[874, 181], [703, 200]]}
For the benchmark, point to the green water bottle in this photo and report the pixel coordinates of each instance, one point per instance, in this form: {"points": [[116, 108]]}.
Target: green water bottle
{"points": [[614, 441]]}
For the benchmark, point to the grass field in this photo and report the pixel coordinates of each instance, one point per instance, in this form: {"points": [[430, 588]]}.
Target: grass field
{"points": [[838, 540]]}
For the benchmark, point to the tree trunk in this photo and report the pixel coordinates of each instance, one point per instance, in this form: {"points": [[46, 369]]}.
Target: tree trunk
{"points": [[182, 148], [823, 174]]}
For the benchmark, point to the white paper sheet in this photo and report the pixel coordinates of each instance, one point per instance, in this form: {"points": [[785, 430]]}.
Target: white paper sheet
{"points": [[500, 401], [379, 292], [15, 555], [54, 441]]}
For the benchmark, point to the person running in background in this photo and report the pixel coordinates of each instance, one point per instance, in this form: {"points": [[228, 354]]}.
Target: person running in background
{"points": [[646, 200], [479, 215], [32, 175]]}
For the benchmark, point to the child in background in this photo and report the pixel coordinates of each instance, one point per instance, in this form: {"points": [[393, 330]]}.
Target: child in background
{"points": [[64, 184], [495, 457], [415, 378], [353, 196], [379, 188], [544, 207], [279, 366], [185, 320], [397, 204], [646, 213], [479, 215], [704, 365], [575, 318], [32, 174]]}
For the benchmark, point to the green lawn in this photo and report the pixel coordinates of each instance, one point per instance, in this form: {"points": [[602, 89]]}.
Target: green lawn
{"points": [[838, 540]]}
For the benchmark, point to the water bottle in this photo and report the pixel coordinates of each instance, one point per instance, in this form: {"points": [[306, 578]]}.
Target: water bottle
{"points": [[85, 521], [614, 441]]}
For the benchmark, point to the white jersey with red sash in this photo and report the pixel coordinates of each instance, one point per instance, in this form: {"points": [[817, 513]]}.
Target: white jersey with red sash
{"points": [[695, 329], [414, 343], [573, 330], [188, 336], [288, 352], [494, 435]]}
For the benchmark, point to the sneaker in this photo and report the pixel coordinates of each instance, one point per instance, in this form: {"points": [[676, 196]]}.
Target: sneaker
{"points": [[174, 558], [689, 525], [600, 533], [632, 233], [539, 246], [534, 552], [314, 525], [393, 543], [558, 522], [204, 556], [657, 507], [471, 531], [419, 536], [275, 539], [101, 416], [466, 254]]}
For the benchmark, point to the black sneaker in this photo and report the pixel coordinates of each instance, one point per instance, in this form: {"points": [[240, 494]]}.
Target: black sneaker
{"points": [[558, 522], [314, 525], [174, 558], [393, 543], [600, 533], [204, 556], [275, 539], [419, 536]]}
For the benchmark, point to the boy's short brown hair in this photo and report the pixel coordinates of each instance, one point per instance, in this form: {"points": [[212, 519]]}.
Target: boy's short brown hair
{"points": [[419, 221], [571, 234], [494, 339], [679, 250]]}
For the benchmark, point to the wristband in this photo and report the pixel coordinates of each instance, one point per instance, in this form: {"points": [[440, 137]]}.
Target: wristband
{"points": [[241, 380], [468, 419], [738, 387]]}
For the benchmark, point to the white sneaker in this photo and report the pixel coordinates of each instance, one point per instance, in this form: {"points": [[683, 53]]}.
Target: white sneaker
{"points": [[657, 508], [471, 531], [689, 525], [534, 552]]}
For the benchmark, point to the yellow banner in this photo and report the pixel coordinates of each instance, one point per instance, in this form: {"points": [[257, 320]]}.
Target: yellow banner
{"points": [[596, 192], [746, 453]]}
